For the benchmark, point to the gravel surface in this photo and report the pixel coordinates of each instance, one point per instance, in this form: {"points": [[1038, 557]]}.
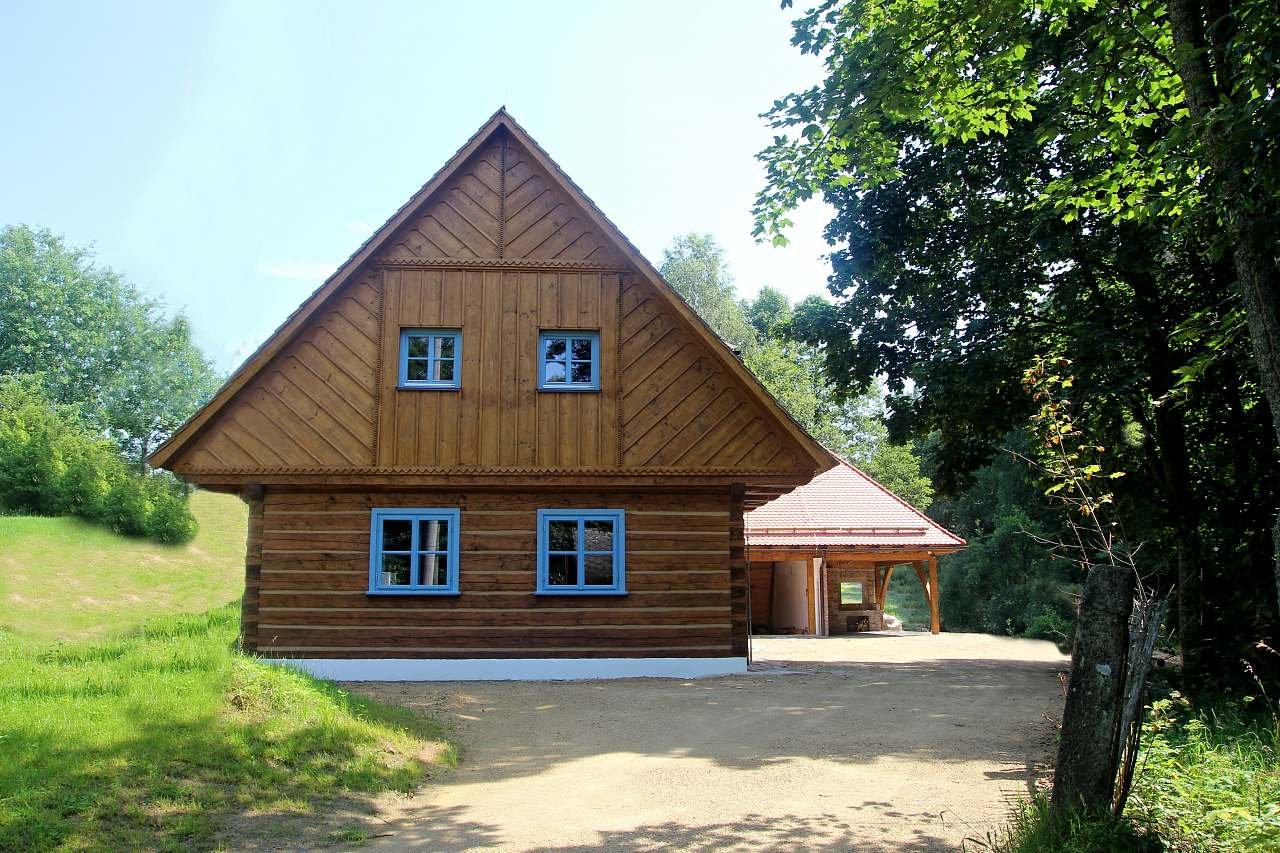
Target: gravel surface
{"points": [[871, 743]]}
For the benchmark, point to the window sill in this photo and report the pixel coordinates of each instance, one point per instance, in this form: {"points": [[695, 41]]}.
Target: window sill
{"points": [[578, 593], [569, 389], [402, 387], [403, 592]]}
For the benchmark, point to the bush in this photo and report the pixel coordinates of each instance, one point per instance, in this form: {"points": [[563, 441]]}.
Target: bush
{"points": [[127, 507], [52, 464], [1209, 780], [90, 470], [30, 432], [169, 521], [1045, 623]]}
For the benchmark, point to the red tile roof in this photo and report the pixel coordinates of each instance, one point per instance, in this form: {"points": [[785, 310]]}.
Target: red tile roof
{"points": [[844, 507]]}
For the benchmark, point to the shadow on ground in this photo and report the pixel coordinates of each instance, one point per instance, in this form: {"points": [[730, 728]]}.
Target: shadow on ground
{"points": [[824, 755]]}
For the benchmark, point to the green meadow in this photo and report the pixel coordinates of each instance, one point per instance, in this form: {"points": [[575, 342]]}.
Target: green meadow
{"points": [[128, 720]]}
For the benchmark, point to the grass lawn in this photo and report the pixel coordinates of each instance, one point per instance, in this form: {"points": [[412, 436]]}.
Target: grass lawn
{"points": [[153, 734], [906, 600], [67, 579]]}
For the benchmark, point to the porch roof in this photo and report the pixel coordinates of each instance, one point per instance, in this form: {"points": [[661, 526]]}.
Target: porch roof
{"points": [[845, 508]]}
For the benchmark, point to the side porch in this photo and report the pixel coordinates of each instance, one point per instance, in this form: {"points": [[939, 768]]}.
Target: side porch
{"points": [[823, 592]]}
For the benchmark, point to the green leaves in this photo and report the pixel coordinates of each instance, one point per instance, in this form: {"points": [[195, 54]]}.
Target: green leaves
{"points": [[94, 342]]}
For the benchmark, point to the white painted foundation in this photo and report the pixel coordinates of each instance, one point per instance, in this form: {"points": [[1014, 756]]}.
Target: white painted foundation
{"points": [[511, 669]]}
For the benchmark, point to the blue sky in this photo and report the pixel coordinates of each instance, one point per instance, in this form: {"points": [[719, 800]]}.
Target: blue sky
{"points": [[226, 157]]}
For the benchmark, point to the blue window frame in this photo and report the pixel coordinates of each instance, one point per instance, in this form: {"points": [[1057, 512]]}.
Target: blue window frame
{"points": [[581, 552], [413, 552], [569, 361], [430, 358]]}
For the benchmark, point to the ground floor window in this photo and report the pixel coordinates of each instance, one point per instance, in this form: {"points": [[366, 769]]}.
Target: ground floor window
{"points": [[581, 552], [414, 552]]}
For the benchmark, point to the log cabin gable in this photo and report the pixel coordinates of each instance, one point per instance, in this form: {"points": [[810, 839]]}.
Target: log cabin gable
{"points": [[499, 246]]}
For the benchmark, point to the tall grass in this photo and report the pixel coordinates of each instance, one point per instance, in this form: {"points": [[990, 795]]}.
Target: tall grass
{"points": [[148, 740], [1210, 780], [1206, 780]]}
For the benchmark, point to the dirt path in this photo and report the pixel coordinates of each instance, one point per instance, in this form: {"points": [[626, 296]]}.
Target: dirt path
{"points": [[906, 743]]}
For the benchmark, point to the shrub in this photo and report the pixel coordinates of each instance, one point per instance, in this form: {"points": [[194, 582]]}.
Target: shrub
{"points": [[51, 463], [91, 467], [30, 431], [127, 507], [169, 521], [1209, 779]]}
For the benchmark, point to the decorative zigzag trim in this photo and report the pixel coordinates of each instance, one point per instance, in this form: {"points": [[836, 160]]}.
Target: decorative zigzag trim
{"points": [[501, 263]]}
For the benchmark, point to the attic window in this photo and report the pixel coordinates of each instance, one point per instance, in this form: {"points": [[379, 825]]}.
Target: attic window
{"points": [[430, 358], [569, 361]]}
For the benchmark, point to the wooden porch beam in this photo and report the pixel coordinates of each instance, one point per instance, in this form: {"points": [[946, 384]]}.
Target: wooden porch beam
{"points": [[935, 623]]}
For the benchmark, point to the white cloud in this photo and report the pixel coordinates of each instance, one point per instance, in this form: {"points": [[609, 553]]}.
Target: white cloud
{"points": [[360, 229], [296, 270]]}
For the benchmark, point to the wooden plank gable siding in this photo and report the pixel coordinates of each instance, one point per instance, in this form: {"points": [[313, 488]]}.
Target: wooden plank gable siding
{"points": [[313, 405], [501, 204], [498, 417], [499, 245], [312, 601], [680, 408]]}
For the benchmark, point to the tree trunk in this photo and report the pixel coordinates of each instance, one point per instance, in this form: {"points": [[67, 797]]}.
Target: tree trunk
{"points": [[1246, 226], [1172, 460], [1085, 776]]}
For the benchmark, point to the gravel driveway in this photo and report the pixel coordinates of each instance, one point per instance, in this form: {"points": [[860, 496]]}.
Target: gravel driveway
{"points": [[870, 743]]}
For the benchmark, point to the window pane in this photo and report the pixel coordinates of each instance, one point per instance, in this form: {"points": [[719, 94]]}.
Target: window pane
{"points": [[599, 535], [850, 592], [396, 535], [553, 349], [433, 535], [554, 372], [434, 569], [582, 348], [599, 569], [444, 346], [581, 372], [418, 346], [562, 570], [395, 570], [416, 370], [562, 535], [444, 370]]}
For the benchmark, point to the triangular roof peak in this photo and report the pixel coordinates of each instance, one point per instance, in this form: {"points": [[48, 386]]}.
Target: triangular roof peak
{"points": [[627, 255], [845, 507]]}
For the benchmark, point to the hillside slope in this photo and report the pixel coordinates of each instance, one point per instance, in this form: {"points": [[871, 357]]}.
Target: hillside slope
{"points": [[67, 579]]}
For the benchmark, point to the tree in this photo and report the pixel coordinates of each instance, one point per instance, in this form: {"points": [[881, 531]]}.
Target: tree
{"points": [[166, 380], [62, 318], [694, 266], [1224, 54], [1013, 180], [94, 342]]}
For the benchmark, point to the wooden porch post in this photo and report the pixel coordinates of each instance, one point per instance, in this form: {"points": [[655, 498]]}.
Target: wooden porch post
{"points": [[930, 586], [935, 624], [882, 583]]}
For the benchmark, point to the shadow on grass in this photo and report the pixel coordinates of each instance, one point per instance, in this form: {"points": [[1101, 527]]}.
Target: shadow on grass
{"points": [[150, 740]]}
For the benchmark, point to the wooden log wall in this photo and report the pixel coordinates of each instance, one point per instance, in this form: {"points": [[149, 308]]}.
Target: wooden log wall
{"points": [[252, 571], [685, 576], [738, 580]]}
